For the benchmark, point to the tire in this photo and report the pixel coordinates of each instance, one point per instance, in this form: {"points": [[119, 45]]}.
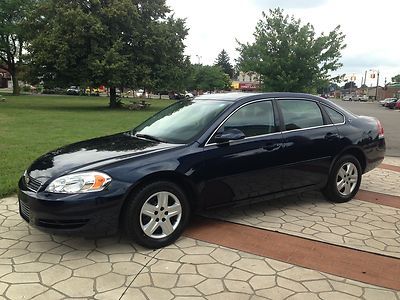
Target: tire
{"points": [[344, 180], [145, 210]]}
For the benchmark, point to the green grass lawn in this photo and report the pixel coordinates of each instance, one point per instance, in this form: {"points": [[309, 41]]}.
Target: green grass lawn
{"points": [[31, 125]]}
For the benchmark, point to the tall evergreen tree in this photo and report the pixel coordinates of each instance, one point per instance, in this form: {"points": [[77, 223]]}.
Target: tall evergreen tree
{"points": [[223, 61]]}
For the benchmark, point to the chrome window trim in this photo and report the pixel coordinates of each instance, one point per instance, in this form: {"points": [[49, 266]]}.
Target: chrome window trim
{"points": [[318, 102], [246, 138], [280, 132], [314, 127], [344, 117]]}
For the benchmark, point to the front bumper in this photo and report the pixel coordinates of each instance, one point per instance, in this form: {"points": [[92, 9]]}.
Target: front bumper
{"points": [[87, 214]]}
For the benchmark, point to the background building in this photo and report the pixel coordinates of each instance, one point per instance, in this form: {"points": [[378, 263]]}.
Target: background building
{"points": [[246, 81], [5, 77]]}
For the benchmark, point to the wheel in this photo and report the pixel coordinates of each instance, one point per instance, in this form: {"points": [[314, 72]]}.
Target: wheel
{"points": [[156, 215], [344, 180]]}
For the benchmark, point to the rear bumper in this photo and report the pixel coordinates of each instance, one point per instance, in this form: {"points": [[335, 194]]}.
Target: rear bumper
{"points": [[89, 214], [375, 155]]}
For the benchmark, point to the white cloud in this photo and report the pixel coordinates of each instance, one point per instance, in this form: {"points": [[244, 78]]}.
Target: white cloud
{"points": [[370, 28]]}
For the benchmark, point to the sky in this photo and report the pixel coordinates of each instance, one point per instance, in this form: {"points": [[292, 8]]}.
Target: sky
{"points": [[371, 29]]}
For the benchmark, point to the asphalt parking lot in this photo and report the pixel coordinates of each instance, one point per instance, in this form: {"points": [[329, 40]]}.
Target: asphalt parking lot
{"points": [[388, 117]]}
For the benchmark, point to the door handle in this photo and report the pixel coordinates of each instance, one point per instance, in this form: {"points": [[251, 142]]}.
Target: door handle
{"points": [[272, 147], [331, 136]]}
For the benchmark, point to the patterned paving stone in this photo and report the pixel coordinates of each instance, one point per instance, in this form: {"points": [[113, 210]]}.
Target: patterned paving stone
{"points": [[356, 224], [390, 160], [381, 181], [278, 280], [36, 265]]}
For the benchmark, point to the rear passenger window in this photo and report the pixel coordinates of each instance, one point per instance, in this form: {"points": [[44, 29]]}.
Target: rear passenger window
{"points": [[334, 115], [298, 114], [253, 119]]}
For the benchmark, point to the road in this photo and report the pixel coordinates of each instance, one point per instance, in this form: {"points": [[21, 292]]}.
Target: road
{"points": [[389, 118]]}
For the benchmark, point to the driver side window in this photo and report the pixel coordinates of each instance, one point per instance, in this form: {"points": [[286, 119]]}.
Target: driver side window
{"points": [[253, 119]]}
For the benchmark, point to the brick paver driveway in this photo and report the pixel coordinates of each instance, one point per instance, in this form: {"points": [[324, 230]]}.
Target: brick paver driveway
{"points": [[299, 247]]}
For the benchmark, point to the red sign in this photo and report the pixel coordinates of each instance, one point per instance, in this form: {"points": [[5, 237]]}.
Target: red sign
{"points": [[247, 86]]}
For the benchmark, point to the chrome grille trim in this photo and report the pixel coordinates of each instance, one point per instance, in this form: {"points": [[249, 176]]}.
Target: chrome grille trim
{"points": [[33, 184], [24, 209]]}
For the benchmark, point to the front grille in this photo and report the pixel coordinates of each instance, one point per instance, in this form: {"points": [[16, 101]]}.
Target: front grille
{"points": [[24, 209], [32, 183], [62, 224]]}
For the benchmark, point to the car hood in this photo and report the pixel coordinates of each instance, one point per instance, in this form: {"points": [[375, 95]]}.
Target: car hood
{"points": [[85, 153]]}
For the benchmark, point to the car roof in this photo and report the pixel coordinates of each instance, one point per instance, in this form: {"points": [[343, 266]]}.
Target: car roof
{"points": [[236, 96]]}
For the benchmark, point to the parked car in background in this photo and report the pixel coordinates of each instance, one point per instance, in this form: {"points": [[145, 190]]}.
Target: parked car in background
{"points": [[383, 102], [188, 95], [212, 151], [92, 91], [73, 90], [392, 104], [363, 98], [347, 98], [140, 93], [180, 96], [397, 105], [355, 98]]}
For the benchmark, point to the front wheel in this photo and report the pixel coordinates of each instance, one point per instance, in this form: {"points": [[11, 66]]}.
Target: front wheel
{"points": [[344, 180], [156, 215]]}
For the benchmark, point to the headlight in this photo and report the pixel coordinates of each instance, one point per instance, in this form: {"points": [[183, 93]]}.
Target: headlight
{"points": [[79, 183]]}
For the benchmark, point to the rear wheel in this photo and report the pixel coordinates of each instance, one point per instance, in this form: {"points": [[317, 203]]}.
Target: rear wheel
{"points": [[157, 214], [344, 180]]}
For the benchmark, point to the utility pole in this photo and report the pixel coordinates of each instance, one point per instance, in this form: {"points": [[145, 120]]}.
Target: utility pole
{"points": [[377, 83], [365, 77]]}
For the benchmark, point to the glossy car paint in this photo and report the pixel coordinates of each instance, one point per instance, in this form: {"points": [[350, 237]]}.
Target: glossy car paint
{"points": [[249, 170]]}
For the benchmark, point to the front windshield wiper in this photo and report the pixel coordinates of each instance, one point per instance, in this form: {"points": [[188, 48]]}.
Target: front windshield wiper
{"points": [[149, 137]]}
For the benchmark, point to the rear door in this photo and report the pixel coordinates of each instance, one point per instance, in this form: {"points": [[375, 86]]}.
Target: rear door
{"points": [[310, 141]]}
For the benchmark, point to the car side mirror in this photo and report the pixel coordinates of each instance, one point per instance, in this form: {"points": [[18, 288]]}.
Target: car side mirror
{"points": [[229, 135]]}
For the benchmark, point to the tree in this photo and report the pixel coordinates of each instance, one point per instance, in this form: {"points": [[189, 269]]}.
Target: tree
{"points": [[396, 78], [13, 15], [208, 78], [167, 67], [290, 56], [223, 61], [117, 43], [350, 84]]}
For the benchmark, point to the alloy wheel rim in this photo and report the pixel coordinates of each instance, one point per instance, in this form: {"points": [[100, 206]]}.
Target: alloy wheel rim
{"points": [[160, 215], [346, 179]]}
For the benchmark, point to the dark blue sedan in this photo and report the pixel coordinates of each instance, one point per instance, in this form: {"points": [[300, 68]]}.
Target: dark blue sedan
{"points": [[212, 151]]}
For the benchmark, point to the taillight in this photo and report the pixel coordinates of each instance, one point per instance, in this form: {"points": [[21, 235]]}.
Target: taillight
{"points": [[381, 132]]}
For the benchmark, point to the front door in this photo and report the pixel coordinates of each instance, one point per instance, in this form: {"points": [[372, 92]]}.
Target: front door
{"points": [[247, 168]]}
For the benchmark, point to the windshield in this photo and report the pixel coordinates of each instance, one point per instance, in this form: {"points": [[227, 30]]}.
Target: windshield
{"points": [[182, 121]]}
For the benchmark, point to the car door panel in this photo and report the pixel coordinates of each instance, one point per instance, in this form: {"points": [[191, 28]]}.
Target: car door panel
{"points": [[308, 156], [309, 143], [245, 168], [242, 170]]}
